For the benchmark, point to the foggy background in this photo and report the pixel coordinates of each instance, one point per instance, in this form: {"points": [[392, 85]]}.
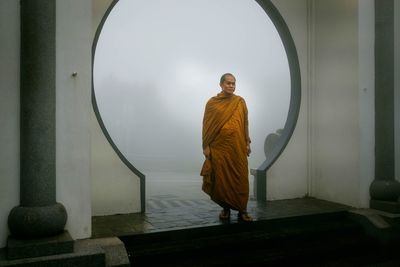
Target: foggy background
{"points": [[157, 63]]}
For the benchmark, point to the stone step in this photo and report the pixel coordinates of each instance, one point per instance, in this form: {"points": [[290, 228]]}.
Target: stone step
{"points": [[310, 239], [271, 226]]}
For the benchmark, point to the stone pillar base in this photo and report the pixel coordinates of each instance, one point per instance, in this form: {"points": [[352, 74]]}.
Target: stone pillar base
{"points": [[30, 248], [37, 222], [388, 190]]}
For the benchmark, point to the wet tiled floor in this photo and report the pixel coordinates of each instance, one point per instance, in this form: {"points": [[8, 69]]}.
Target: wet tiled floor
{"points": [[168, 213]]}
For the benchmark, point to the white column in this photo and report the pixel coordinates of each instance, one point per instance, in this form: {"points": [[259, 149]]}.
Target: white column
{"points": [[366, 37]]}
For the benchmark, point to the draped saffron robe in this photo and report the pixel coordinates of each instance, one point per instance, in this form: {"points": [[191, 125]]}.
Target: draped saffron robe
{"points": [[225, 131]]}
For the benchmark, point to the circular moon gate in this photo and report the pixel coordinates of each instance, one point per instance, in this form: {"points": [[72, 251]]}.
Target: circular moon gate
{"points": [[295, 90]]}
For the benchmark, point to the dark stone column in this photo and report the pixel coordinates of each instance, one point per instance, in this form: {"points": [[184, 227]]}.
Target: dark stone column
{"points": [[39, 215], [384, 190]]}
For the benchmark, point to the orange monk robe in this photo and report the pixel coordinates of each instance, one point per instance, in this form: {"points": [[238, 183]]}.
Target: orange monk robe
{"points": [[225, 131]]}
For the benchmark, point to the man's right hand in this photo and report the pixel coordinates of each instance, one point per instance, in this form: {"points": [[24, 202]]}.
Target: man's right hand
{"points": [[207, 152]]}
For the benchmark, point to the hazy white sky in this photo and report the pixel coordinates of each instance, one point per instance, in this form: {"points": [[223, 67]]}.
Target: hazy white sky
{"points": [[157, 63]]}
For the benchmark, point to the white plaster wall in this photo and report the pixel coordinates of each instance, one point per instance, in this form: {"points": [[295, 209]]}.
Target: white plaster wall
{"points": [[287, 178], [323, 157], [366, 59], [341, 129], [99, 8], [73, 106], [115, 188], [9, 112], [336, 102]]}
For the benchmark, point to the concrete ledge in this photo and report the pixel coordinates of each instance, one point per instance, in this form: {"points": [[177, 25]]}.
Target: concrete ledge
{"points": [[115, 252], [388, 206], [29, 248], [83, 255], [379, 224], [108, 252]]}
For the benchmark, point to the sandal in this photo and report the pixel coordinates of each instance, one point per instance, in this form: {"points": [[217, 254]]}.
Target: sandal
{"points": [[244, 217], [225, 214]]}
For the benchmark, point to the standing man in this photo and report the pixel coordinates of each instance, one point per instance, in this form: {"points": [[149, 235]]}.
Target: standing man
{"points": [[226, 146]]}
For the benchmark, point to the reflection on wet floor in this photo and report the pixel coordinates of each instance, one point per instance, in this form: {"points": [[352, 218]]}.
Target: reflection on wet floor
{"points": [[177, 185], [170, 201], [166, 213]]}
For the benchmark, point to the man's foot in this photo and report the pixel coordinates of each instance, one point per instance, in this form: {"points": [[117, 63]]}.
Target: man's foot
{"points": [[225, 214], [244, 217]]}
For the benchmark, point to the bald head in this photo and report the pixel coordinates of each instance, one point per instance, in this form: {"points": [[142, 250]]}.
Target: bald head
{"points": [[223, 77], [228, 84]]}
